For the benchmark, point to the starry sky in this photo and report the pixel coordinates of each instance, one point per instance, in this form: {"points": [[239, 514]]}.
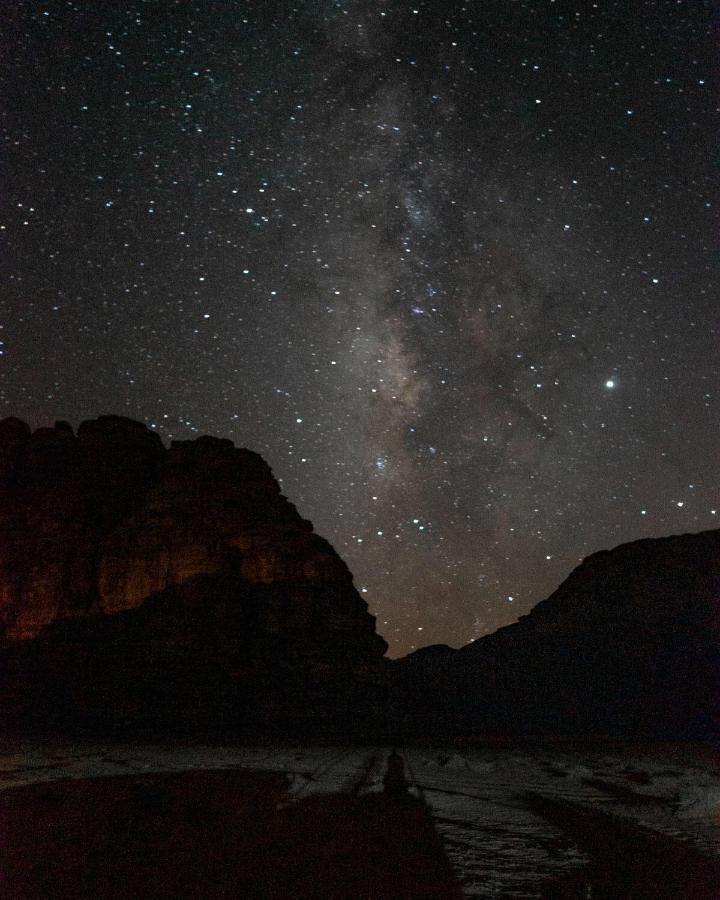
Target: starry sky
{"points": [[452, 268]]}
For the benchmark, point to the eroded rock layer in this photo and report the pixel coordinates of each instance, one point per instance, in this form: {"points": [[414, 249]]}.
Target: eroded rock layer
{"points": [[142, 583]]}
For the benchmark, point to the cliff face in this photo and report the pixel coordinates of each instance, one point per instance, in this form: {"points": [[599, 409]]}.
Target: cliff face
{"points": [[138, 581], [629, 645]]}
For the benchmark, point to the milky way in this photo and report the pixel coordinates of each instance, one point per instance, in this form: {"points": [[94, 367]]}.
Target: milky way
{"points": [[451, 268]]}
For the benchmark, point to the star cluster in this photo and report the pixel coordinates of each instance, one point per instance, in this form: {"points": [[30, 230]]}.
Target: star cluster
{"points": [[451, 268]]}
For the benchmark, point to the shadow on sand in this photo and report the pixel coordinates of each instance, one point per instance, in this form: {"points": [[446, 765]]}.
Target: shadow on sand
{"points": [[626, 860], [212, 834]]}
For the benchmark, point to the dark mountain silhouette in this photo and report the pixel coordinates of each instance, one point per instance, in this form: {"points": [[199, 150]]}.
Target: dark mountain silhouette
{"points": [[628, 646], [149, 587], [177, 589]]}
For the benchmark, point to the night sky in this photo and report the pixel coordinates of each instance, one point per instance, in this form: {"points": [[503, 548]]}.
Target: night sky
{"points": [[451, 268]]}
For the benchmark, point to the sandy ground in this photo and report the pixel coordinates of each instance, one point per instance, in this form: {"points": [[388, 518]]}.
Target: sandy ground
{"points": [[215, 834], [542, 822]]}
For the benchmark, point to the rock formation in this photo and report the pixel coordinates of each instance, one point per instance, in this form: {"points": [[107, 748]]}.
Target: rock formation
{"points": [[177, 588], [629, 645], [143, 585]]}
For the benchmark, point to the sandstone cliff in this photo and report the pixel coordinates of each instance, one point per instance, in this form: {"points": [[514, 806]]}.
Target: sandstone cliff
{"points": [[629, 645], [140, 584]]}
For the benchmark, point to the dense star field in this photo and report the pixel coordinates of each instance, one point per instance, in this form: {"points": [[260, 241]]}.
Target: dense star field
{"points": [[451, 268]]}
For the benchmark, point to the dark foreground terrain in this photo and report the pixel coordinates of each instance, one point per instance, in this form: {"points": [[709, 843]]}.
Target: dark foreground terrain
{"points": [[626, 861], [213, 834], [112, 820]]}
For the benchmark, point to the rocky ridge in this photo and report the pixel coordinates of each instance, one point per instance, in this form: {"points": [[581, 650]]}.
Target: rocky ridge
{"points": [[628, 646], [140, 584]]}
